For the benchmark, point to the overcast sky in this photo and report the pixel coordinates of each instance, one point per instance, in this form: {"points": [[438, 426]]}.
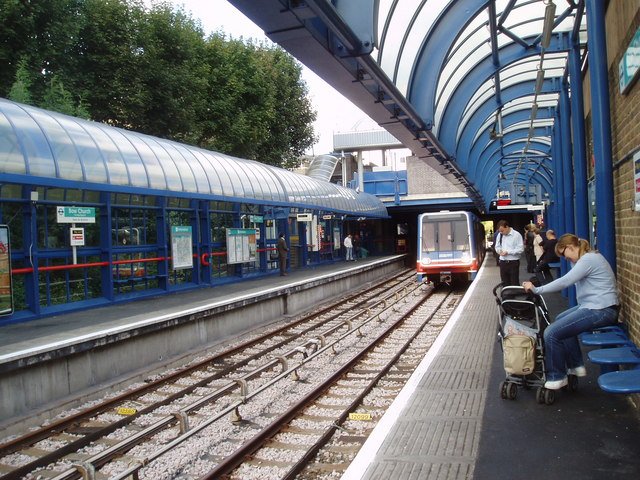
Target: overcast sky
{"points": [[335, 112]]}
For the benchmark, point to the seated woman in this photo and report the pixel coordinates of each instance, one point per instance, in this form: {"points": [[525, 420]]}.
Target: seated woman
{"points": [[597, 298]]}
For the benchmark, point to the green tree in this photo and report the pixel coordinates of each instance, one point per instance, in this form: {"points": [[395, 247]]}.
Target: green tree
{"points": [[58, 98], [20, 89], [152, 70]]}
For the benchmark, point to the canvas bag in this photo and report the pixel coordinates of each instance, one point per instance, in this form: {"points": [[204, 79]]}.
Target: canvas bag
{"points": [[519, 354]]}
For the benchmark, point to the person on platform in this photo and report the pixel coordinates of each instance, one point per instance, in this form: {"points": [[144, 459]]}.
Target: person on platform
{"points": [[348, 245], [597, 299], [510, 247], [283, 251], [542, 270], [529, 255], [538, 251]]}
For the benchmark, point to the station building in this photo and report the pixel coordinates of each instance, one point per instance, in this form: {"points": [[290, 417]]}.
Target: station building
{"points": [[97, 215]]}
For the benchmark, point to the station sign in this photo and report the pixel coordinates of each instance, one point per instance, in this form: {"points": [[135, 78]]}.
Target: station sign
{"points": [[304, 217], [629, 65], [76, 214]]}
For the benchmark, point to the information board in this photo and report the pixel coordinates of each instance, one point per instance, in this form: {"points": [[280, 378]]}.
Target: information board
{"points": [[241, 245], [6, 293], [181, 248]]}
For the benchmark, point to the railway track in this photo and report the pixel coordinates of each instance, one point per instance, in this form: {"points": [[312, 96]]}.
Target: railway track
{"points": [[70, 441], [320, 435]]}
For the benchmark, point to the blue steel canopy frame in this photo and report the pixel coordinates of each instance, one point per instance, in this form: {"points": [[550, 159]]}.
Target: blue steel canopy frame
{"points": [[396, 60]]}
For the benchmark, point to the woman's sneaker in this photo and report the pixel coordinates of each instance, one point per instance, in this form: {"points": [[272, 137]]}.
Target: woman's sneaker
{"points": [[578, 371], [556, 384]]}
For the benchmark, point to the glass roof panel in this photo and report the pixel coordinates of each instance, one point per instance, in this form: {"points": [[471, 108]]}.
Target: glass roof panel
{"points": [[115, 168], [11, 160], [168, 166], [33, 142], [414, 39], [392, 33], [92, 160], [64, 151], [222, 172], [186, 174], [208, 163], [200, 177], [237, 189], [155, 173], [133, 162]]}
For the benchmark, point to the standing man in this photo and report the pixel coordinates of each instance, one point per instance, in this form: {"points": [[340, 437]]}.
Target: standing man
{"points": [[282, 254], [510, 247], [348, 245]]}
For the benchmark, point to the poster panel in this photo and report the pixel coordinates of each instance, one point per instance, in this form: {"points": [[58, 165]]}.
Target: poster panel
{"points": [[6, 291], [242, 245], [181, 248]]}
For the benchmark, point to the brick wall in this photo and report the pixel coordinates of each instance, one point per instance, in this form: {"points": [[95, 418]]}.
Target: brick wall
{"points": [[622, 21], [422, 179]]}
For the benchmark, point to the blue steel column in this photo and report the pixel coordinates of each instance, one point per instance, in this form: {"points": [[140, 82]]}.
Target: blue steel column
{"points": [[106, 244], [30, 242], [601, 125], [567, 163], [579, 142], [558, 182]]}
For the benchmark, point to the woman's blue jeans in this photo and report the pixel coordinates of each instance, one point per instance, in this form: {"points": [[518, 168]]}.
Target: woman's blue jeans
{"points": [[562, 348]]}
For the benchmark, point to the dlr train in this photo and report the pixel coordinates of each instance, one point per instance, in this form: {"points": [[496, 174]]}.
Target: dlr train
{"points": [[451, 246]]}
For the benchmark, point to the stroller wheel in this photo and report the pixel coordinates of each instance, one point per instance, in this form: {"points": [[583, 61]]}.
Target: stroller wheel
{"points": [[503, 390], [540, 395], [572, 386], [549, 396], [512, 391]]}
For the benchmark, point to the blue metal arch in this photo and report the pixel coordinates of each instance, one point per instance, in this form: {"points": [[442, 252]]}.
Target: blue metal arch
{"points": [[513, 142], [484, 70], [494, 155], [465, 142], [423, 82]]}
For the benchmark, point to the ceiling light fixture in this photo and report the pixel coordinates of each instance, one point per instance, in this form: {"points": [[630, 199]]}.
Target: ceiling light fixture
{"points": [[547, 28]]}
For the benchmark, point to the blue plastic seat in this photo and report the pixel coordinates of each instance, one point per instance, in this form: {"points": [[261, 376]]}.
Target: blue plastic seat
{"points": [[610, 359], [606, 339], [620, 328], [625, 381]]}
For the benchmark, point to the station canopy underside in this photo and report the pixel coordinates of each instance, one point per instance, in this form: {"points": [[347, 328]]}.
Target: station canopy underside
{"points": [[472, 86], [47, 148]]}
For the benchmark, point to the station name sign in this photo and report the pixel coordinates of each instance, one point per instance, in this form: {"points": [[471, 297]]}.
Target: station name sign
{"points": [[76, 214]]}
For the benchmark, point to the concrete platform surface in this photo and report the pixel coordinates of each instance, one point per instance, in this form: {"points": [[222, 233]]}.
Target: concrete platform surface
{"points": [[451, 423]]}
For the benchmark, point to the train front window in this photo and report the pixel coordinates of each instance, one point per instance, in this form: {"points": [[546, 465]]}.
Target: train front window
{"points": [[445, 233]]}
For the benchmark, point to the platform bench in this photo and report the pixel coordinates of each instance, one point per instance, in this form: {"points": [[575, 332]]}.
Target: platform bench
{"points": [[624, 381], [608, 338], [610, 359]]}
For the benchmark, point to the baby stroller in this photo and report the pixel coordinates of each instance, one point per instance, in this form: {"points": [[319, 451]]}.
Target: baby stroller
{"points": [[522, 318]]}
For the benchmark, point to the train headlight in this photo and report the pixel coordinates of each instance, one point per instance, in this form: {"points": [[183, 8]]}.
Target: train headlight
{"points": [[425, 261], [465, 257]]}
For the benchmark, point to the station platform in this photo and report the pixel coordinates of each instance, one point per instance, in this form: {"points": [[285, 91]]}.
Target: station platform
{"points": [[48, 362], [450, 423]]}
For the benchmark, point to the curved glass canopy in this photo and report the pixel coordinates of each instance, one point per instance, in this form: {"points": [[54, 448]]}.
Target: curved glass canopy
{"points": [[467, 85], [484, 72], [40, 143]]}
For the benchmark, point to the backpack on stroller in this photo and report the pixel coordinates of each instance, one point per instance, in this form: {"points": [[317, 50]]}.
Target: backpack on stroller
{"points": [[522, 318]]}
